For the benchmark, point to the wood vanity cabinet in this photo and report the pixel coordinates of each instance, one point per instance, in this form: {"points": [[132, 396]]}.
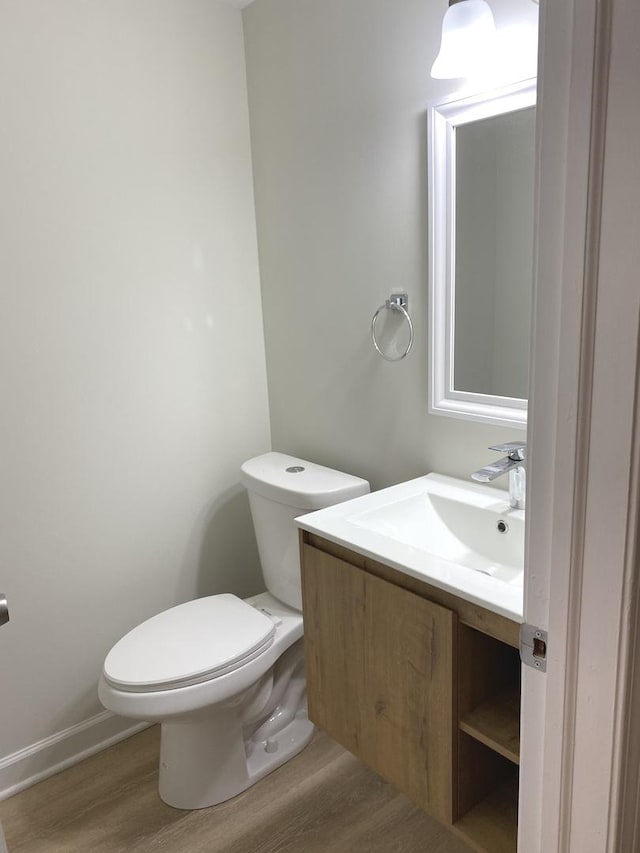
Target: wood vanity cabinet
{"points": [[380, 666], [421, 685]]}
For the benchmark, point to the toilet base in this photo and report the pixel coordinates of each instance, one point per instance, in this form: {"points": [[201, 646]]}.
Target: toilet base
{"points": [[204, 762]]}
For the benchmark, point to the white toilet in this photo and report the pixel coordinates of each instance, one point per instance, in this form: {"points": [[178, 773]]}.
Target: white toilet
{"points": [[225, 677]]}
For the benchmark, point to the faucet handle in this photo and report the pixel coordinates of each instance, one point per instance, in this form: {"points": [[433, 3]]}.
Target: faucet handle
{"points": [[516, 450]]}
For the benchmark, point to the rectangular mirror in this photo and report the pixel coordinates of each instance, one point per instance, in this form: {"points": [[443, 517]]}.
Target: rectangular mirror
{"points": [[481, 197]]}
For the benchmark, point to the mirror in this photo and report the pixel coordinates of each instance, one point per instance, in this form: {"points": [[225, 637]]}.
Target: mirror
{"points": [[481, 209]]}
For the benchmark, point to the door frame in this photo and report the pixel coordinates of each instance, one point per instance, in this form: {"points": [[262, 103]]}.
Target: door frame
{"points": [[578, 792]]}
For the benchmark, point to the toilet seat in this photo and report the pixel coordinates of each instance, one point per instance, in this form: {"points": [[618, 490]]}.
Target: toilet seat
{"points": [[174, 702], [194, 642]]}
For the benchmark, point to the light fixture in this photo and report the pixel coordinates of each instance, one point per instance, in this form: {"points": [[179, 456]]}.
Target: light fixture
{"points": [[468, 33]]}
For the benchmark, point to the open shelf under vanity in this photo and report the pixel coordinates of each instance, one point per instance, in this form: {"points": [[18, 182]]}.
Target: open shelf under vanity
{"points": [[496, 723], [492, 823], [488, 741]]}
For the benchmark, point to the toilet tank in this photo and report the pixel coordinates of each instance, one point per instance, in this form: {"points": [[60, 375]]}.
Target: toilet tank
{"points": [[280, 489]]}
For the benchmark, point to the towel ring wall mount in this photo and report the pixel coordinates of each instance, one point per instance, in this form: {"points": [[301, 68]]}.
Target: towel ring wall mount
{"points": [[398, 302]]}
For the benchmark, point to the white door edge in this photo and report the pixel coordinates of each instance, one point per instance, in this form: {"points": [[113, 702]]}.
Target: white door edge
{"points": [[582, 527]]}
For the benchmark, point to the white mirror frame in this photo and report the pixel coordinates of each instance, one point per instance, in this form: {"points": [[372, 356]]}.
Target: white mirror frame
{"points": [[443, 119]]}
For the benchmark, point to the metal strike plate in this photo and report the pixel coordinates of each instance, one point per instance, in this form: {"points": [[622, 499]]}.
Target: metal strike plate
{"points": [[4, 609], [533, 647]]}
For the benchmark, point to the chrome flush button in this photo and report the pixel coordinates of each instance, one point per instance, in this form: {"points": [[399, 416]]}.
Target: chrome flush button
{"points": [[294, 469]]}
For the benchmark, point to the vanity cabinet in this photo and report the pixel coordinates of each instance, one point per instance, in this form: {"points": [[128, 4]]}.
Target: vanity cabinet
{"points": [[380, 664], [422, 686]]}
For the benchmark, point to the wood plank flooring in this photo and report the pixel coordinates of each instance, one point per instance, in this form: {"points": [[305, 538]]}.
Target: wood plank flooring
{"points": [[322, 801]]}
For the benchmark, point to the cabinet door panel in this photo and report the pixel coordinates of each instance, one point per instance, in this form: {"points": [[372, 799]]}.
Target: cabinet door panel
{"points": [[380, 664]]}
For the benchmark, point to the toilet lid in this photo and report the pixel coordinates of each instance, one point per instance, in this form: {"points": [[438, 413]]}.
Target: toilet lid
{"points": [[188, 644]]}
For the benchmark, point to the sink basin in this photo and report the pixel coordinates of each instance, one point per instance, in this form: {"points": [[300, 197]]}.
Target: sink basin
{"points": [[483, 539], [459, 536]]}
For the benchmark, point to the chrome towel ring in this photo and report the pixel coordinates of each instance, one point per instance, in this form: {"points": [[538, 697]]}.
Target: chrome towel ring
{"points": [[395, 302]]}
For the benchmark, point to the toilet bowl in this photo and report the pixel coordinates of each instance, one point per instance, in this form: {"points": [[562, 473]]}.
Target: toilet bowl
{"points": [[224, 676]]}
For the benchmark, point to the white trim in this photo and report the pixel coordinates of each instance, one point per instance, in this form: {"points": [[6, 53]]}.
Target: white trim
{"points": [[611, 535], [482, 407], [36, 762], [443, 119], [579, 779], [624, 833], [564, 121]]}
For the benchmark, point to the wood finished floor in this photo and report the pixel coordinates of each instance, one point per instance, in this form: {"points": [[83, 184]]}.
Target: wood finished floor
{"points": [[322, 801]]}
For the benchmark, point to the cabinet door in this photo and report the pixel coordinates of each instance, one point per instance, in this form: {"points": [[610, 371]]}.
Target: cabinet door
{"points": [[380, 674]]}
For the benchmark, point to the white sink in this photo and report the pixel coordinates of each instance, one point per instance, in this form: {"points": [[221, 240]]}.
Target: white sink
{"points": [[481, 538], [459, 536]]}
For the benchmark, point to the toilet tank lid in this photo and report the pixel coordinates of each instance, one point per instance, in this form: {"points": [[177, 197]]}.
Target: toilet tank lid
{"points": [[298, 483]]}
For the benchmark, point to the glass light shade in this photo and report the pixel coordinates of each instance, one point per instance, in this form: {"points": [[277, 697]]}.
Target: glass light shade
{"points": [[468, 33]]}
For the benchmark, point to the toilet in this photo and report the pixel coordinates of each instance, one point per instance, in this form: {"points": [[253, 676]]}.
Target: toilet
{"points": [[225, 676]]}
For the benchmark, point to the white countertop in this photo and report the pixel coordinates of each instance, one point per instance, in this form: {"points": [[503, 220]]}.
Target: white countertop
{"points": [[440, 530]]}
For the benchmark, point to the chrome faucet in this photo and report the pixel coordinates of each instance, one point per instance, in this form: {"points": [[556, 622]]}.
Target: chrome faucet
{"points": [[513, 464]]}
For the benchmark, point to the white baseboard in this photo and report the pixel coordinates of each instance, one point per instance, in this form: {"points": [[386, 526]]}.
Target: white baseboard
{"points": [[34, 763]]}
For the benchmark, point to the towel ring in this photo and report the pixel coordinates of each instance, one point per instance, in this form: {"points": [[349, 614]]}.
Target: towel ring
{"points": [[395, 302]]}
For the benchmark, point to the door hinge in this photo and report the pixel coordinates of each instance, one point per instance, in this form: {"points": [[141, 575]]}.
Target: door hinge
{"points": [[533, 647]]}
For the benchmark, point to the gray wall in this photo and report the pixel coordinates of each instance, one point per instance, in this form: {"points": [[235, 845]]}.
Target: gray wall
{"points": [[132, 368], [337, 97]]}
